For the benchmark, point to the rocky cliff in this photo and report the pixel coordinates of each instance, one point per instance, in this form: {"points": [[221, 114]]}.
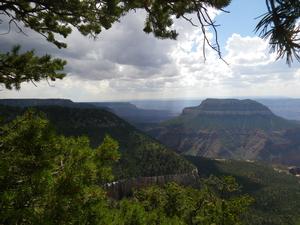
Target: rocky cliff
{"points": [[125, 188], [228, 107], [231, 128]]}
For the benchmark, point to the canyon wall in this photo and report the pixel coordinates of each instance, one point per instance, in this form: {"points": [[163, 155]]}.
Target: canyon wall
{"points": [[124, 188]]}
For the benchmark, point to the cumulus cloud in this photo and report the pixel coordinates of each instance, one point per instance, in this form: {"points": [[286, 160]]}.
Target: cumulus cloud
{"points": [[248, 51], [125, 63], [252, 63]]}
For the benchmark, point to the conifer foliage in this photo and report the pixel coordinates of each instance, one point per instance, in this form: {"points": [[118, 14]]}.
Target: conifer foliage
{"points": [[17, 68], [50, 179]]}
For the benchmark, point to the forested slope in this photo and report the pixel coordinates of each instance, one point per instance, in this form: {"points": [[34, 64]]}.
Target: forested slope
{"points": [[276, 194], [140, 154]]}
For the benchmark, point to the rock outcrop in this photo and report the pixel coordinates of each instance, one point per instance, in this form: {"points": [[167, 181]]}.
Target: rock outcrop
{"points": [[228, 107], [125, 188], [231, 128]]}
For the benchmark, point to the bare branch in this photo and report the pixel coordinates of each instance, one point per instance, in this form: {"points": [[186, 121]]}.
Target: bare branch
{"points": [[33, 82], [50, 85], [206, 21], [189, 20]]}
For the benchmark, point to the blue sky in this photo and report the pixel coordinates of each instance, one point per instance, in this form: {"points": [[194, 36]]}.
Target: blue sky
{"points": [[241, 19], [125, 63]]}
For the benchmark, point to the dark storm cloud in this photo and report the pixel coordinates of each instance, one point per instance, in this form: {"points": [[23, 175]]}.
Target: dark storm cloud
{"points": [[124, 45]]}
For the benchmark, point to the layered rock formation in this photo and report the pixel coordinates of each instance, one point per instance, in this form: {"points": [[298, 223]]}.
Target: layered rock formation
{"points": [[231, 128], [228, 107], [125, 188]]}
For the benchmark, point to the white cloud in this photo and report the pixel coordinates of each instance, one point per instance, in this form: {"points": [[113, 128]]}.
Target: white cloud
{"points": [[125, 63], [248, 51]]}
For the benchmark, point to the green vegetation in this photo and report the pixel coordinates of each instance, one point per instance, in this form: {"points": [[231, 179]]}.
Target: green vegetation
{"points": [[176, 205], [277, 195], [141, 155], [212, 122], [17, 68], [46, 178], [51, 179], [279, 26], [146, 157]]}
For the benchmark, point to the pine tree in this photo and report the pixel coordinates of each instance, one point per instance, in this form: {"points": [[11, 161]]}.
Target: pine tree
{"points": [[50, 179]]}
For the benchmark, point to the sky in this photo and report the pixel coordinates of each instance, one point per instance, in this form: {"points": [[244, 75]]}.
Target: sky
{"points": [[124, 63]]}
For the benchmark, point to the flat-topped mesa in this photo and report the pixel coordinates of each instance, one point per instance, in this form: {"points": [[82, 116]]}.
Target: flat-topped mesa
{"points": [[228, 107], [231, 128]]}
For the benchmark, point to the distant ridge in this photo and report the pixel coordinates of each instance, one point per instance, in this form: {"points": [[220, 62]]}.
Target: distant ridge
{"points": [[229, 107], [29, 102], [140, 154], [232, 128], [136, 116], [214, 114], [126, 110]]}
